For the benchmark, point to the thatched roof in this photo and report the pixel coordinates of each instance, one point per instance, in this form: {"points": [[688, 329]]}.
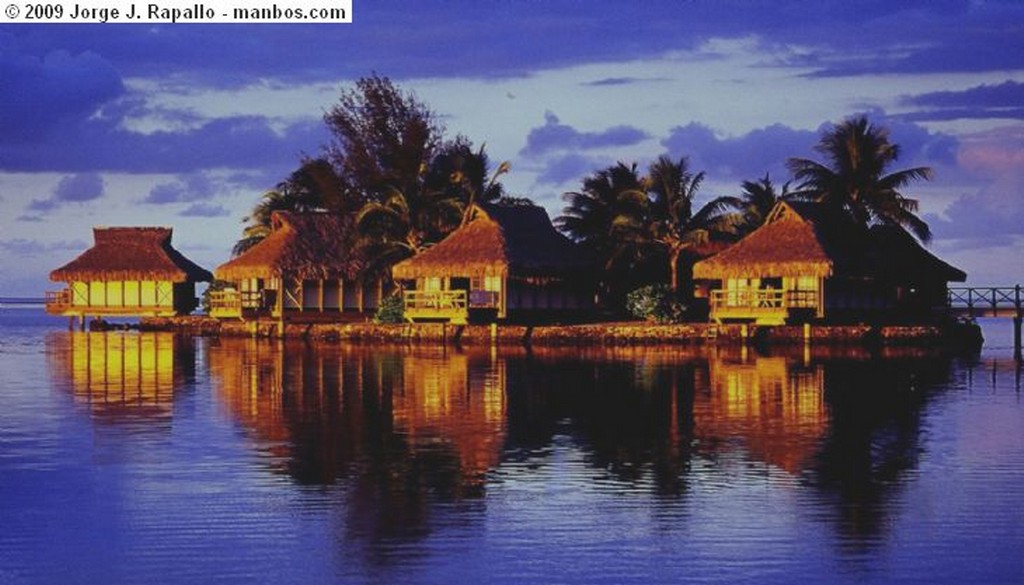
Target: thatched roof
{"points": [[788, 244], [310, 246], [500, 241], [806, 239], [131, 253]]}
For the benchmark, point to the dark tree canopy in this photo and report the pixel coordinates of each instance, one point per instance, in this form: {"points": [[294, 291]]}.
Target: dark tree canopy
{"points": [[856, 179]]}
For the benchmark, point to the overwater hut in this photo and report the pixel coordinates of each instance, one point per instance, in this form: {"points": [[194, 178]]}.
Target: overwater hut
{"points": [[305, 270], [128, 272], [506, 262], [806, 264]]}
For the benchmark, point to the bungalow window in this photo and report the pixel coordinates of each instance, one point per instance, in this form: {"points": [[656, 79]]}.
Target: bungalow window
{"points": [[98, 293], [432, 283], [148, 293], [492, 283]]}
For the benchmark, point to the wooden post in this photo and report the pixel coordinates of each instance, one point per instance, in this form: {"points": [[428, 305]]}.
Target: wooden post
{"points": [[1016, 337], [1018, 317]]}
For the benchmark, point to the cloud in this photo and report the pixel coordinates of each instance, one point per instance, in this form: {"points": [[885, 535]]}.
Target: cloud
{"points": [[555, 136], [43, 94], [996, 209], [742, 157], [231, 142], [618, 81], [27, 247], [204, 210], [999, 101], [80, 188], [564, 169], [766, 150], [194, 187]]}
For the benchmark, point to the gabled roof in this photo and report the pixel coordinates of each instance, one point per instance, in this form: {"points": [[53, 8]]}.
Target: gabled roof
{"points": [[500, 241], [131, 253], [790, 243], [809, 239], [896, 255], [313, 245]]}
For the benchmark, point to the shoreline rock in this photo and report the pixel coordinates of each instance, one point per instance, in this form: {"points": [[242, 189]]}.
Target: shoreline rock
{"points": [[615, 333]]}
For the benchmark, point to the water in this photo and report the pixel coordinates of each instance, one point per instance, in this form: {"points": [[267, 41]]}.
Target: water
{"points": [[149, 458]]}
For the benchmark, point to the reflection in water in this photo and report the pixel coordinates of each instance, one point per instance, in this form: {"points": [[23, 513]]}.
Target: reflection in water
{"points": [[772, 405], [122, 376], [404, 430], [874, 440], [298, 462]]}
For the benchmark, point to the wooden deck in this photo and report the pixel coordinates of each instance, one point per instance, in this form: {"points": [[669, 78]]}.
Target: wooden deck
{"points": [[760, 306], [442, 305]]}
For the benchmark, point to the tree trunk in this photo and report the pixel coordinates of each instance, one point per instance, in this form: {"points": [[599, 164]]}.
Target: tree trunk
{"points": [[674, 268]]}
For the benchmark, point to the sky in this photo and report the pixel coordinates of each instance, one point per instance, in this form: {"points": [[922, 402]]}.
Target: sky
{"points": [[186, 125]]}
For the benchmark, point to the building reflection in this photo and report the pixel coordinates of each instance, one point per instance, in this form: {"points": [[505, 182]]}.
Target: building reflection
{"points": [[773, 406], [122, 376], [323, 412], [403, 429]]}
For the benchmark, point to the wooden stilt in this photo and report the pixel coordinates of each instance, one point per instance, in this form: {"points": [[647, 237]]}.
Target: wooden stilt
{"points": [[1016, 338]]}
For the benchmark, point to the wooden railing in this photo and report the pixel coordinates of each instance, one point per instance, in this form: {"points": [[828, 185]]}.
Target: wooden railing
{"points": [[447, 300], [231, 303], [993, 301], [764, 299], [57, 299]]}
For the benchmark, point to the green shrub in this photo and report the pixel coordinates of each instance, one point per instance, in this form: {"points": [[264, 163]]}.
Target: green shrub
{"points": [[391, 310], [655, 302]]}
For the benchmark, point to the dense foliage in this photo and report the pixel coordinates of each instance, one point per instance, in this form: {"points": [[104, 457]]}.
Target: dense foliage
{"points": [[391, 310], [655, 302]]}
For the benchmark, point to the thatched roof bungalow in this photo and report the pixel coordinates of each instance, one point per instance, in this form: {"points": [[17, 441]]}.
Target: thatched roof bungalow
{"points": [[504, 260], [808, 263], [305, 268], [129, 271]]}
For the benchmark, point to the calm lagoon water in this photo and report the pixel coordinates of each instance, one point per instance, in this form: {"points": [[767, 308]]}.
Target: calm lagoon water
{"points": [[132, 458]]}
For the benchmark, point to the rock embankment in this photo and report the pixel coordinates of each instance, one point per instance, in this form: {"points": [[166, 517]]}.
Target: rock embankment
{"points": [[619, 333]]}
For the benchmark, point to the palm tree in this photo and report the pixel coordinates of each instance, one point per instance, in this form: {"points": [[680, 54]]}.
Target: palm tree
{"points": [[757, 200], [606, 215], [855, 180], [405, 221], [671, 220], [314, 186]]}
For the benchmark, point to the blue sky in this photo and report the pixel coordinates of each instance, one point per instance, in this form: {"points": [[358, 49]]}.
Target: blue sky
{"points": [[186, 125]]}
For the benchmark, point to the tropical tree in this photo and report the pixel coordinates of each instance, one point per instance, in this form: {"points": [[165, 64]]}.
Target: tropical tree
{"points": [[671, 219], [382, 138], [314, 186], [606, 215], [757, 199], [855, 177]]}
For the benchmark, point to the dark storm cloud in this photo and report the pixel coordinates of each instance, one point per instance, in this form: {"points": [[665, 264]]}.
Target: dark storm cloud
{"points": [[555, 136]]}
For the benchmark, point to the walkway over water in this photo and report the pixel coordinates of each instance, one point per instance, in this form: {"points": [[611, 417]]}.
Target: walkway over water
{"points": [[994, 301], [991, 301]]}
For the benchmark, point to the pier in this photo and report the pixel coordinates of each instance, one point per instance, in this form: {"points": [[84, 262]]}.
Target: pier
{"points": [[992, 301]]}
